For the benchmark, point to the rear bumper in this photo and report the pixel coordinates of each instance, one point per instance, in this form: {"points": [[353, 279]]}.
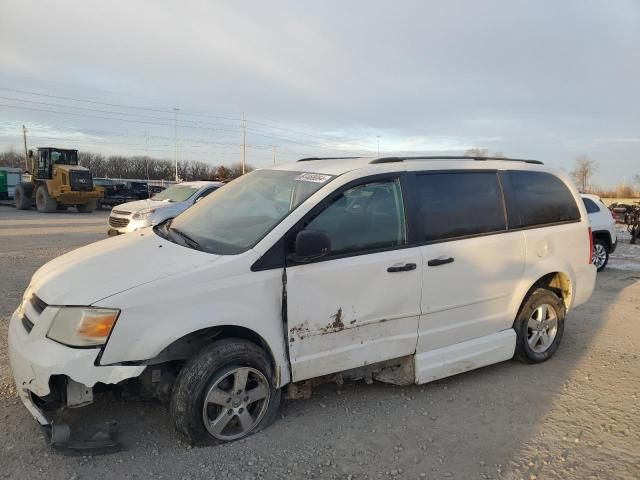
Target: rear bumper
{"points": [[584, 285]]}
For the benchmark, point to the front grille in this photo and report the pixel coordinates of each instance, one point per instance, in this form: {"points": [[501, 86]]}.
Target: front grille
{"points": [[37, 303], [81, 181], [121, 212], [116, 222], [27, 324]]}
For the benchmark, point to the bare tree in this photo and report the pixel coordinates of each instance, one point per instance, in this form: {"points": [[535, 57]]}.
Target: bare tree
{"points": [[11, 158], [583, 171]]}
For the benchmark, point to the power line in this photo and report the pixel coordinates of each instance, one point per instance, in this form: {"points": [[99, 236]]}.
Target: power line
{"points": [[141, 122], [120, 105], [288, 139], [299, 132], [109, 112]]}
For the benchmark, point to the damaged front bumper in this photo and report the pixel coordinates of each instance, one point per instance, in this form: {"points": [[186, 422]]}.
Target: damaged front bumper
{"points": [[36, 360]]}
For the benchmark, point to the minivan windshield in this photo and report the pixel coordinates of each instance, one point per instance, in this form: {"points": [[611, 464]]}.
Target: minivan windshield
{"points": [[235, 217], [176, 193]]}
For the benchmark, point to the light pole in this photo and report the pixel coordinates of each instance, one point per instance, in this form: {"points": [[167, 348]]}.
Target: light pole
{"points": [[244, 143], [175, 136], [378, 137]]}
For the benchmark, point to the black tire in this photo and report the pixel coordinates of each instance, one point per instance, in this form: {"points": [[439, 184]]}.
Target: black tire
{"points": [[203, 371], [88, 207], [524, 351], [604, 248], [635, 233], [22, 197], [44, 203]]}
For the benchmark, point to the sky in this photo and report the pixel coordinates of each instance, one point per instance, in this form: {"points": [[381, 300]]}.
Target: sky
{"points": [[533, 79]]}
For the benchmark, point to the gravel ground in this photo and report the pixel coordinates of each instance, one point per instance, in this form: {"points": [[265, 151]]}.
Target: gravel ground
{"points": [[574, 417]]}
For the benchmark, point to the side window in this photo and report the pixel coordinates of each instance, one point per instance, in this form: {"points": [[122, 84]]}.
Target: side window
{"points": [[363, 218], [205, 193], [542, 198], [591, 205], [452, 205]]}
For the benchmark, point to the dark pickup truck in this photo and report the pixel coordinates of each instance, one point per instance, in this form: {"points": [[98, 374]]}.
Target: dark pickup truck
{"points": [[123, 191]]}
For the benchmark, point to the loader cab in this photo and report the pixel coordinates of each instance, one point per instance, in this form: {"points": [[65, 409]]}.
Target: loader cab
{"points": [[47, 157]]}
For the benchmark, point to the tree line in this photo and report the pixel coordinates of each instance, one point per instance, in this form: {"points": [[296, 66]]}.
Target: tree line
{"points": [[141, 167]]}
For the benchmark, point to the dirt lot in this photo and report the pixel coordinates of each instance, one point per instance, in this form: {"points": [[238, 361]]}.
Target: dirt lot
{"points": [[574, 417]]}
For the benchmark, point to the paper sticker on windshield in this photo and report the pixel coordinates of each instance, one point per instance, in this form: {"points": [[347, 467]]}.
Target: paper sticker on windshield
{"points": [[313, 177]]}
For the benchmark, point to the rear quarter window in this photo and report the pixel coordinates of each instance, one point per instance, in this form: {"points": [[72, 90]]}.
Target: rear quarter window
{"points": [[591, 206], [542, 198]]}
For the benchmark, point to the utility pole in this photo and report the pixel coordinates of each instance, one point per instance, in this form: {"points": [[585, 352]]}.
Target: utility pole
{"points": [[175, 134], [274, 154], [26, 154], [244, 142], [146, 161], [378, 137]]}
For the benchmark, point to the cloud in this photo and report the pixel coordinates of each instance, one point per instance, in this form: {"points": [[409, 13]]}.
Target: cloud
{"points": [[524, 78]]}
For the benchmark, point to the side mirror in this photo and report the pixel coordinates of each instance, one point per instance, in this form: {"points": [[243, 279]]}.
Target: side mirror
{"points": [[311, 245]]}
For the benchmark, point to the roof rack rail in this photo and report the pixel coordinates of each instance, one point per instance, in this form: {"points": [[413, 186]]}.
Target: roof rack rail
{"points": [[326, 158], [445, 157]]}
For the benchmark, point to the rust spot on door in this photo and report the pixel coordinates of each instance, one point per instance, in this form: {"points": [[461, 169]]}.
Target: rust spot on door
{"points": [[337, 323]]}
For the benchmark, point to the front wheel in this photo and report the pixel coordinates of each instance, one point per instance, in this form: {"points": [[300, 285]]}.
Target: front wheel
{"points": [[44, 202], [225, 393], [539, 326], [600, 256]]}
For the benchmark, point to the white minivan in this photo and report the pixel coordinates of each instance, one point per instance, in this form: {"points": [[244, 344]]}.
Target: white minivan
{"points": [[401, 270]]}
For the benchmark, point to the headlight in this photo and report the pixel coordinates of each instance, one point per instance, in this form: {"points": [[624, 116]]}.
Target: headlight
{"points": [[142, 214], [82, 326]]}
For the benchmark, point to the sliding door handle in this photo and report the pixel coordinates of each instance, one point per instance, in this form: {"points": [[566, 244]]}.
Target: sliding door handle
{"points": [[439, 261], [402, 268]]}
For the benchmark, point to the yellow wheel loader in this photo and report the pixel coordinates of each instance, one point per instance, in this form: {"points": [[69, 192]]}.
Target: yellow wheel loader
{"points": [[57, 182]]}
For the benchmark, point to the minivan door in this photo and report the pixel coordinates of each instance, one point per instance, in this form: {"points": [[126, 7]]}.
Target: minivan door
{"points": [[470, 262], [361, 303]]}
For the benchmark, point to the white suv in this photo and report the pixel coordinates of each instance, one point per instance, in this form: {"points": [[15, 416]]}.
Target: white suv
{"points": [[603, 226], [401, 270]]}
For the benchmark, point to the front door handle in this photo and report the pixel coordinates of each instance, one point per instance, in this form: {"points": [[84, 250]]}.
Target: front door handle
{"points": [[439, 261], [402, 268]]}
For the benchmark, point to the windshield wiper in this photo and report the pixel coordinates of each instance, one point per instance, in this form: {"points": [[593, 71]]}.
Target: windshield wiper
{"points": [[186, 238]]}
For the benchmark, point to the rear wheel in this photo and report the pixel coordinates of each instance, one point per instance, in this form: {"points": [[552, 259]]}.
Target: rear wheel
{"points": [[600, 256], [88, 207], [22, 198], [44, 203], [539, 326], [225, 393]]}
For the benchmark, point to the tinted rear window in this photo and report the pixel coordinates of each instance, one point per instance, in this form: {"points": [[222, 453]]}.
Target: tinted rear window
{"points": [[592, 207], [542, 198], [452, 205]]}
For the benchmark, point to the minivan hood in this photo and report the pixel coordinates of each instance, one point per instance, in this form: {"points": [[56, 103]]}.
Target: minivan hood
{"points": [[102, 269]]}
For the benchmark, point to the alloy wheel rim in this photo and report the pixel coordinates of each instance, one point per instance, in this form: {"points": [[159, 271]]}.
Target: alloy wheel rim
{"points": [[235, 403], [542, 328], [599, 255]]}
